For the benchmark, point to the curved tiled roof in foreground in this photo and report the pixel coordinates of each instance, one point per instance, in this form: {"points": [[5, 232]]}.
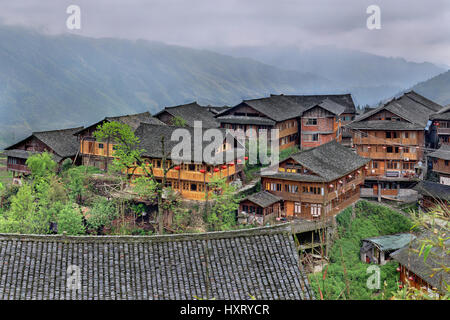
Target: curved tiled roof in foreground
{"points": [[259, 262]]}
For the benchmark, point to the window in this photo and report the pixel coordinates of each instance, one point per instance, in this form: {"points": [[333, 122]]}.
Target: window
{"points": [[392, 149], [191, 167], [446, 162], [392, 165], [391, 134], [375, 165], [311, 122], [315, 210], [297, 207], [100, 145], [290, 188], [245, 208]]}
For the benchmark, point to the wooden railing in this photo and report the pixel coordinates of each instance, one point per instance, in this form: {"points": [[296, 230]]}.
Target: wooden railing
{"points": [[189, 175], [387, 155], [18, 167]]}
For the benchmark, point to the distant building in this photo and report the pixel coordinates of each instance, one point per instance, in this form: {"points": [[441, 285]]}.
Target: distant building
{"points": [[99, 153], [440, 160], [421, 274], [234, 265], [433, 194], [304, 121], [62, 144], [189, 113], [318, 182], [394, 136], [377, 250], [441, 121]]}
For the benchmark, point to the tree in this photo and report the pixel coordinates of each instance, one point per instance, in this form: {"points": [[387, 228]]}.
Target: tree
{"points": [[222, 215], [128, 158], [126, 152], [41, 165], [70, 220], [22, 217], [178, 121], [102, 214]]}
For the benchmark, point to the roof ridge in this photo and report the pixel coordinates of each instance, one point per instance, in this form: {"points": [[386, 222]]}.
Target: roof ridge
{"points": [[128, 115], [57, 130], [277, 229]]}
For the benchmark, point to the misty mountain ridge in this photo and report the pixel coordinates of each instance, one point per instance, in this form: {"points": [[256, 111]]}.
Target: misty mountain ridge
{"points": [[369, 77], [50, 82]]}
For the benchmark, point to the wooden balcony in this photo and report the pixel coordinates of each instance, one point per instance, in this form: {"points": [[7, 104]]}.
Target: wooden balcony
{"points": [[443, 131], [190, 175], [390, 156], [93, 148], [370, 140], [18, 168]]}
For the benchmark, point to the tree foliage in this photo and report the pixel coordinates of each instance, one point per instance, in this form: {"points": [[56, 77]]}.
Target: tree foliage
{"points": [[222, 214], [41, 165]]}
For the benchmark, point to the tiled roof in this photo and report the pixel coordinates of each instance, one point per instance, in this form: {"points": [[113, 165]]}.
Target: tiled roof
{"points": [[442, 153], [62, 142], [443, 114], [259, 262], [133, 120], [246, 120], [330, 161], [411, 260], [330, 106], [292, 176], [193, 112], [433, 189], [410, 106], [283, 107], [263, 199], [150, 140], [384, 125]]}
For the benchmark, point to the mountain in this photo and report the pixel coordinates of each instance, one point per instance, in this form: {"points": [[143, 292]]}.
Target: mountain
{"points": [[370, 78], [436, 89], [49, 82]]}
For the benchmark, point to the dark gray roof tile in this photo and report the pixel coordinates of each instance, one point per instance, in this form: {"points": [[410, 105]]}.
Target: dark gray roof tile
{"points": [[260, 262]]}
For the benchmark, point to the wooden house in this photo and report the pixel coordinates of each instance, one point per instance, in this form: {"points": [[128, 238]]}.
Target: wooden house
{"points": [[377, 250], [189, 177], [421, 274], [99, 153], [189, 113], [302, 120], [441, 121], [318, 182], [62, 144], [260, 208], [440, 160], [394, 136], [433, 194]]}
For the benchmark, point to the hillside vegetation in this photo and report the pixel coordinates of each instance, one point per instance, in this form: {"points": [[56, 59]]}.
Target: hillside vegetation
{"points": [[345, 266]]}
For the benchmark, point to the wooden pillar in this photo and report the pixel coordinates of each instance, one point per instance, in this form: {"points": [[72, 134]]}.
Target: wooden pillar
{"points": [[379, 192]]}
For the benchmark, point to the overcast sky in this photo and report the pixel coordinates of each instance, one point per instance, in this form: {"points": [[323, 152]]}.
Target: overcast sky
{"points": [[418, 30]]}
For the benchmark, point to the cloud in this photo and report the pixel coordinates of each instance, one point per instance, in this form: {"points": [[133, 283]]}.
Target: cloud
{"points": [[417, 30]]}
